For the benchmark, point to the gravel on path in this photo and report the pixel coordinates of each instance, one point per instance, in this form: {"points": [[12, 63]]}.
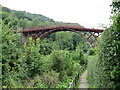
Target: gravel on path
{"points": [[83, 81]]}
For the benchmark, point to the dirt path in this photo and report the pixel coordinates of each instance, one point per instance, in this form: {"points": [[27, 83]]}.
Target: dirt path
{"points": [[83, 81]]}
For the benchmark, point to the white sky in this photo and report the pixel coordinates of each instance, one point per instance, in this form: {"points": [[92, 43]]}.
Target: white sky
{"points": [[89, 13]]}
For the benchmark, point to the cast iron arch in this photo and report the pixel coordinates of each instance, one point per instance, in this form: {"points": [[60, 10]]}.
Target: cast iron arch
{"points": [[89, 34]]}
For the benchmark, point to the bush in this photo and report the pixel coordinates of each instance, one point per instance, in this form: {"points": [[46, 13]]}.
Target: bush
{"points": [[91, 51], [58, 61], [32, 57], [91, 70], [78, 56], [107, 65], [64, 64], [11, 53], [50, 79], [35, 82], [18, 62]]}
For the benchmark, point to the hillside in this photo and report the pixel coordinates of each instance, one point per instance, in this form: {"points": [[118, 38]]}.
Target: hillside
{"points": [[28, 20]]}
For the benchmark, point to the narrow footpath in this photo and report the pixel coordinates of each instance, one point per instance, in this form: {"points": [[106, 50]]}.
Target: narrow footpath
{"points": [[83, 81]]}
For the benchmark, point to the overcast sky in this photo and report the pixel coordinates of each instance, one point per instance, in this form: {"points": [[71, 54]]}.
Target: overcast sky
{"points": [[89, 13]]}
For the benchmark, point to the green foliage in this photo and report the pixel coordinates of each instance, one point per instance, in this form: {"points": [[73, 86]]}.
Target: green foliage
{"points": [[27, 20], [11, 52], [50, 79], [64, 84], [18, 62], [104, 67], [32, 57], [52, 63], [91, 51], [78, 56], [35, 82], [64, 64], [62, 41], [115, 6], [45, 48], [58, 61], [91, 70], [23, 64], [109, 57], [9, 19]]}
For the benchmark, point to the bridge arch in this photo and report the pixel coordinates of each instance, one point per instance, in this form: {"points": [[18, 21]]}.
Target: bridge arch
{"points": [[54, 31], [90, 35]]}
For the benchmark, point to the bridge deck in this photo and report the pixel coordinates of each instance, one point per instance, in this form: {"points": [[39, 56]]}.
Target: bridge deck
{"points": [[63, 27]]}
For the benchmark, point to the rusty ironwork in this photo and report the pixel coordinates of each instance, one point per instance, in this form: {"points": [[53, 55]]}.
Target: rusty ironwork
{"points": [[89, 34]]}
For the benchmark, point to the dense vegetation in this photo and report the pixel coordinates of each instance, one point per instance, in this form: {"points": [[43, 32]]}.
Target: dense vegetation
{"points": [[52, 63], [104, 63]]}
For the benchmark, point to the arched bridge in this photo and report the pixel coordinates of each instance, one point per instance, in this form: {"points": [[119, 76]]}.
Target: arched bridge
{"points": [[89, 34]]}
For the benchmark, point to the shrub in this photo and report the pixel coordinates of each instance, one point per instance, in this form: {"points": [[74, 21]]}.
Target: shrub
{"points": [[91, 51], [106, 73], [58, 61], [50, 79], [35, 82], [78, 56], [32, 57], [11, 53], [91, 67]]}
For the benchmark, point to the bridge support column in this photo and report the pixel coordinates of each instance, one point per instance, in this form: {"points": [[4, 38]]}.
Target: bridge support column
{"points": [[25, 39]]}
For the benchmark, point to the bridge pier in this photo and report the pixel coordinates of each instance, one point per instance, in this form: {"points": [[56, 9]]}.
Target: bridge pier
{"points": [[25, 39]]}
